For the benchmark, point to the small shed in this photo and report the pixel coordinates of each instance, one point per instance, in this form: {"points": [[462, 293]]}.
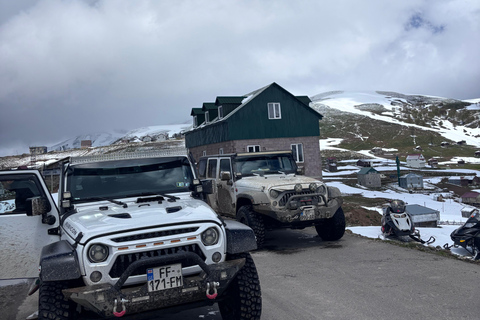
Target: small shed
{"points": [[471, 197], [423, 216], [331, 164], [464, 181], [411, 181], [433, 162], [365, 163], [477, 153], [467, 212], [38, 150], [85, 144], [369, 177], [377, 151]]}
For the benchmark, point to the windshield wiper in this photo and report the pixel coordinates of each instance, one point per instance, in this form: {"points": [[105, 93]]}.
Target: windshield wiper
{"points": [[169, 197], [120, 203]]}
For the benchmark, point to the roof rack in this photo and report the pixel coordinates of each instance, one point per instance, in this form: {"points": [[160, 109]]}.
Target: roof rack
{"points": [[129, 155]]}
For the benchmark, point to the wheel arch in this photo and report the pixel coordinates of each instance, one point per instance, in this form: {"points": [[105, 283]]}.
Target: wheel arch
{"points": [[251, 198], [59, 262]]}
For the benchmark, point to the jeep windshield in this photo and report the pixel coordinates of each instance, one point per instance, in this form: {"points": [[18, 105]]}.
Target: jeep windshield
{"points": [[128, 178], [264, 164]]}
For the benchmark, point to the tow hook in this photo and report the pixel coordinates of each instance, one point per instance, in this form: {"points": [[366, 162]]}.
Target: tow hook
{"points": [[214, 286], [124, 309]]}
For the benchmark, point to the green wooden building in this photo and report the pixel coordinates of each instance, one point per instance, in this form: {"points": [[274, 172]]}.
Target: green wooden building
{"points": [[267, 119]]}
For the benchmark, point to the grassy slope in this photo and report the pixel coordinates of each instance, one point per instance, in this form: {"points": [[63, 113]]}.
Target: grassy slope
{"points": [[363, 133]]}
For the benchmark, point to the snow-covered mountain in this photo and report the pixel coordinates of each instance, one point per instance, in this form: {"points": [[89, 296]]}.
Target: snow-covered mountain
{"points": [[452, 119], [144, 134]]}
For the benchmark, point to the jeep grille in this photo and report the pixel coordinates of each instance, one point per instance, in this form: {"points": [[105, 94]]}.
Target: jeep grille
{"points": [[157, 234], [122, 262], [287, 195]]}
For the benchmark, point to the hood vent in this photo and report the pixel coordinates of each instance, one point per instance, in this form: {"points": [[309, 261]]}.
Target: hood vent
{"points": [[173, 209], [120, 215]]}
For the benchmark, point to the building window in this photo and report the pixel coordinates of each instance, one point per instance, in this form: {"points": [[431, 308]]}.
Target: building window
{"points": [[207, 117], [195, 124], [274, 110], [220, 112], [255, 148], [220, 151], [297, 151], [204, 153]]}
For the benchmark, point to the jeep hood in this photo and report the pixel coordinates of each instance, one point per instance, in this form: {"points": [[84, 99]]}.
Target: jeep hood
{"points": [[278, 182], [93, 221]]}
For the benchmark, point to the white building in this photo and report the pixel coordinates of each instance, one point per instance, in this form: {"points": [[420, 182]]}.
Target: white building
{"points": [[416, 161]]}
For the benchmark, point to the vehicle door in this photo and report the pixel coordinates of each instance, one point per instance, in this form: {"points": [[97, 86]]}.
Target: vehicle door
{"points": [[211, 173], [225, 191], [22, 233]]}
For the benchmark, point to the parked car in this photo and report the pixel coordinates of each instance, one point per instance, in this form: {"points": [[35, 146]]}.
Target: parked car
{"points": [[132, 234], [264, 191]]}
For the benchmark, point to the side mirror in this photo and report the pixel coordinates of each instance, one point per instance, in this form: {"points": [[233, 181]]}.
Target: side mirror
{"points": [[36, 206], [225, 175], [207, 186]]}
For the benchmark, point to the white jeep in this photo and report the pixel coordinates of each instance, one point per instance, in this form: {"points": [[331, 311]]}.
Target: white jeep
{"points": [[264, 191], [131, 235]]}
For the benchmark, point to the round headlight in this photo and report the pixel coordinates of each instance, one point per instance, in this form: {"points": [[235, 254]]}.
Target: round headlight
{"points": [[322, 189], [273, 193], [97, 253], [210, 236], [298, 188], [313, 187]]}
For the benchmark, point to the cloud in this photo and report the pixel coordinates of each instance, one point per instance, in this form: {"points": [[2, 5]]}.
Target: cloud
{"points": [[73, 67]]}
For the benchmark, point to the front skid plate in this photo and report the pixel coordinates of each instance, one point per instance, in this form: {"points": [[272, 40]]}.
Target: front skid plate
{"points": [[101, 298], [293, 216]]}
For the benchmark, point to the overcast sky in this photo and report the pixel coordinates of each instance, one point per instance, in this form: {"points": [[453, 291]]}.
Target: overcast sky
{"points": [[75, 67]]}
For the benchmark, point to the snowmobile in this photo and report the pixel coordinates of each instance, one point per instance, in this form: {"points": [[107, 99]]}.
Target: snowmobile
{"points": [[396, 222], [468, 236]]}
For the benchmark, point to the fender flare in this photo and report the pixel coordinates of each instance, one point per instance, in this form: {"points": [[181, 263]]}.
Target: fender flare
{"points": [[255, 197], [240, 238], [59, 262]]}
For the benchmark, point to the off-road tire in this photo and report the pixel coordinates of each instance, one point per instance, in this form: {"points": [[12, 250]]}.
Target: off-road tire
{"points": [[247, 216], [243, 298], [332, 229], [52, 304]]}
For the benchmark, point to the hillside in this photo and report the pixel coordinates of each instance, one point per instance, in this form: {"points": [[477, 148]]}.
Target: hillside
{"points": [[436, 127]]}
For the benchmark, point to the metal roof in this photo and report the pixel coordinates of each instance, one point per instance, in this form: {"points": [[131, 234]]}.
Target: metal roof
{"points": [[415, 209]]}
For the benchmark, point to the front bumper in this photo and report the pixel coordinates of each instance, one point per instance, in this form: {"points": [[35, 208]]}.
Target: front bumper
{"points": [[296, 217], [105, 299]]}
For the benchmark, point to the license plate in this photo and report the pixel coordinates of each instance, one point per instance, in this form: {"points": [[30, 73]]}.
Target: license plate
{"points": [[308, 214], [165, 277]]}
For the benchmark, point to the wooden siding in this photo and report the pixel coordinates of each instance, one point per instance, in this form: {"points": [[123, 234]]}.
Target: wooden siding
{"points": [[251, 121]]}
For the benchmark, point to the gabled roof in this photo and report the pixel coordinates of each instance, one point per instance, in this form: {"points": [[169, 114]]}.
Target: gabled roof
{"points": [[209, 106], [452, 178], [415, 157], [251, 96], [411, 174], [470, 194], [367, 170], [196, 111], [233, 100], [304, 99]]}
